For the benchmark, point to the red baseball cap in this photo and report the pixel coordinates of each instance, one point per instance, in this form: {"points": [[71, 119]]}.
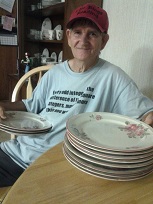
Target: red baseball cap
{"points": [[92, 12]]}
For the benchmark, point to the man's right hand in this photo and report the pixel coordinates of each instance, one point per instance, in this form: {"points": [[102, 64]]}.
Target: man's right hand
{"points": [[2, 113], [11, 106]]}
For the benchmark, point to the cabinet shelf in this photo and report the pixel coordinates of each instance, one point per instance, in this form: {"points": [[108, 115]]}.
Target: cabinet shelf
{"points": [[53, 10], [51, 41], [45, 41]]}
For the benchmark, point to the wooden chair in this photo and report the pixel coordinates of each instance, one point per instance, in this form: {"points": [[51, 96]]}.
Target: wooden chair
{"points": [[25, 79]]}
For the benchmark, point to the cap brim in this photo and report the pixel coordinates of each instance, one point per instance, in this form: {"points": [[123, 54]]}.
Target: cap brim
{"points": [[69, 24]]}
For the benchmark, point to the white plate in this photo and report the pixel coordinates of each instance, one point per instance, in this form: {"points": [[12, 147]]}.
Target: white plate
{"points": [[54, 56], [110, 157], [24, 121], [111, 131], [108, 170], [107, 151], [47, 24], [45, 53], [102, 172], [23, 132], [60, 57], [58, 27], [107, 163]]}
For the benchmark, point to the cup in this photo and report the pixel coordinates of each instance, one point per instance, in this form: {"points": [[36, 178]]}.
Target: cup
{"points": [[32, 31], [37, 34], [59, 34], [51, 34], [37, 55], [39, 6], [33, 7], [31, 35], [43, 60], [44, 34]]}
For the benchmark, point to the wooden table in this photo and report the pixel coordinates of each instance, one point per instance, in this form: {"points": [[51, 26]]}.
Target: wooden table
{"points": [[53, 180]]}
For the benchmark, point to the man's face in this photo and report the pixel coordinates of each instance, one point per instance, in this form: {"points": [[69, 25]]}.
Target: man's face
{"points": [[86, 42]]}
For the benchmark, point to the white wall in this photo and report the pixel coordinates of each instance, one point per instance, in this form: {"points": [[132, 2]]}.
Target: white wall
{"points": [[131, 40]]}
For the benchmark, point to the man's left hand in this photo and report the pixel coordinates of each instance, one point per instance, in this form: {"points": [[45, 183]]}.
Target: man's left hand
{"points": [[148, 118]]}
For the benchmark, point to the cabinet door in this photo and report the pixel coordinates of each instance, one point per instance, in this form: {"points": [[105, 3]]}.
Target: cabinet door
{"points": [[69, 7], [8, 56], [8, 65]]}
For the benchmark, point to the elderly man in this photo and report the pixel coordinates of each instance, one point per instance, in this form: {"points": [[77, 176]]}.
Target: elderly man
{"points": [[85, 83]]}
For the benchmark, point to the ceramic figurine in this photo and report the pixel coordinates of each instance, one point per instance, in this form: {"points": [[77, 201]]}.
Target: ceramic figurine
{"points": [[27, 62]]}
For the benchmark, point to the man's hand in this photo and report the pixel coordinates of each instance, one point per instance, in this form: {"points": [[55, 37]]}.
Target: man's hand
{"points": [[148, 118], [2, 113]]}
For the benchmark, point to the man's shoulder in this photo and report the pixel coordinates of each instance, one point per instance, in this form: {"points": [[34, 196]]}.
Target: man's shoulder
{"points": [[113, 71], [108, 65]]}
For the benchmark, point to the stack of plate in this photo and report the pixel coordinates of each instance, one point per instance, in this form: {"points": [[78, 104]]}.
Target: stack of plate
{"points": [[21, 123], [109, 146]]}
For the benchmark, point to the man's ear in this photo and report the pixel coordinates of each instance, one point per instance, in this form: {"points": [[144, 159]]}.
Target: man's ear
{"points": [[68, 36], [105, 39]]}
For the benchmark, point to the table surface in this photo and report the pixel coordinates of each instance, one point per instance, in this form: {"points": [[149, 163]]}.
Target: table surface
{"points": [[52, 179]]}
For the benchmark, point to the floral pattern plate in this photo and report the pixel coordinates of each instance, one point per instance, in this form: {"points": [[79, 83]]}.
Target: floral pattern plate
{"points": [[111, 131], [108, 163], [24, 122], [110, 157], [102, 171]]}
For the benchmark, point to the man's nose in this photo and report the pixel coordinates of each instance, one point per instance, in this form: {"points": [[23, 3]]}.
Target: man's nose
{"points": [[84, 38]]}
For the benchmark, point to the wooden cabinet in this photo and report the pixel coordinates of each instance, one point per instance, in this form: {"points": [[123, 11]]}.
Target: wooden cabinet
{"points": [[58, 14], [33, 21]]}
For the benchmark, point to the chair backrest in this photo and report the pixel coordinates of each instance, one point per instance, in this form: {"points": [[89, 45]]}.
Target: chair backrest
{"points": [[26, 79]]}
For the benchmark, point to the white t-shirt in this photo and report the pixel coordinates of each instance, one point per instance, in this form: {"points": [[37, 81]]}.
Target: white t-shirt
{"points": [[63, 93]]}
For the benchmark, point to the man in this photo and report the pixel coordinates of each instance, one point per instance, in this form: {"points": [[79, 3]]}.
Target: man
{"points": [[85, 83]]}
